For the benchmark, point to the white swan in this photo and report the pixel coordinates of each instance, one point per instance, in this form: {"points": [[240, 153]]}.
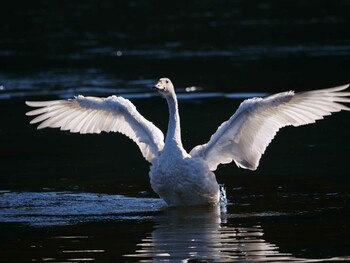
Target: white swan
{"points": [[182, 178]]}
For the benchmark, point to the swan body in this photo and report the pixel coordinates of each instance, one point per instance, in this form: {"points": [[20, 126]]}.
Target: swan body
{"points": [[182, 178]]}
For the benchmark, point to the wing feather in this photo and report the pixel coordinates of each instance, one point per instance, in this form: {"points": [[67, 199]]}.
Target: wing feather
{"points": [[245, 136], [94, 115]]}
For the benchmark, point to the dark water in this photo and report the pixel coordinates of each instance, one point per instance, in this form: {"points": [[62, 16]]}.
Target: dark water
{"points": [[72, 198]]}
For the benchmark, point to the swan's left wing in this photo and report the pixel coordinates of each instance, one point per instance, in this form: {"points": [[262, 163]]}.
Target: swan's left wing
{"points": [[94, 115], [245, 136]]}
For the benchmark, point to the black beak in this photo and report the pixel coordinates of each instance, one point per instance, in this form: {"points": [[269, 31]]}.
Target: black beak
{"points": [[158, 87]]}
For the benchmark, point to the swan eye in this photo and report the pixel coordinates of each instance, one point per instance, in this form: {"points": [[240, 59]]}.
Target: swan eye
{"points": [[167, 81]]}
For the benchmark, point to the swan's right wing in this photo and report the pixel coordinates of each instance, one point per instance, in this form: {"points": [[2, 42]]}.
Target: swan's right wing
{"points": [[94, 115], [245, 136]]}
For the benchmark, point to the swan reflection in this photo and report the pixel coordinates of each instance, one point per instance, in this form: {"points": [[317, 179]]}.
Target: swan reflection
{"points": [[202, 233]]}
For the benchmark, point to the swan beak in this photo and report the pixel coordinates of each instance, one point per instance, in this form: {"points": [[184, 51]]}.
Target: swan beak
{"points": [[159, 87]]}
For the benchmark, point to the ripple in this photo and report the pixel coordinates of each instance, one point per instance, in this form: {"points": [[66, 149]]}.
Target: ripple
{"points": [[64, 208], [202, 234], [92, 82]]}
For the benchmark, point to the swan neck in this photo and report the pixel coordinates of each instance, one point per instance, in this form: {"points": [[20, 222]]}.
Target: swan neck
{"points": [[173, 135]]}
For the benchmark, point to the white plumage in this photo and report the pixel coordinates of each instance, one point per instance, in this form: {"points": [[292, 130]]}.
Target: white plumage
{"points": [[94, 115], [178, 177]]}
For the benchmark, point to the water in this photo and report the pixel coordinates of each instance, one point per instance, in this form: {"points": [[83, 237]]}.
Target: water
{"points": [[72, 198], [83, 226]]}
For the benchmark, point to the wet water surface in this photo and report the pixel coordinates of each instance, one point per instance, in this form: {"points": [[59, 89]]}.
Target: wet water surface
{"points": [[72, 198], [75, 226]]}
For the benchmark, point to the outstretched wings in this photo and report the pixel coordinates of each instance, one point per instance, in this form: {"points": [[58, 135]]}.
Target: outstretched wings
{"points": [[94, 115], [245, 136]]}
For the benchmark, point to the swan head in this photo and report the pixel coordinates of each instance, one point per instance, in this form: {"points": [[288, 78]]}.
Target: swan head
{"points": [[164, 86]]}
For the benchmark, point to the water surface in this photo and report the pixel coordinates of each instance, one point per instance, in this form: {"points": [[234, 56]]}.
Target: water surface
{"points": [[75, 226], [72, 198]]}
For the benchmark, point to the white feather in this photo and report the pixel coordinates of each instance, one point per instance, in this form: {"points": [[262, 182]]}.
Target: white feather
{"points": [[93, 115], [245, 136]]}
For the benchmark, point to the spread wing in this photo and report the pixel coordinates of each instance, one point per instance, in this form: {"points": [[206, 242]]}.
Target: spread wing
{"points": [[245, 136], [94, 115]]}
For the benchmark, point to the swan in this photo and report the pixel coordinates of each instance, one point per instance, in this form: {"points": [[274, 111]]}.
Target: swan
{"points": [[179, 177]]}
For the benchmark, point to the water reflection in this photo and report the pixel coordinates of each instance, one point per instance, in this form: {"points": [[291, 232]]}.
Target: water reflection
{"points": [[71, 226], [202, 233]]}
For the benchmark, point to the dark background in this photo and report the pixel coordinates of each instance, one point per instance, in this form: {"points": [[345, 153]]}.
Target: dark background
{"points": [[58, 49], [226, 45]]}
